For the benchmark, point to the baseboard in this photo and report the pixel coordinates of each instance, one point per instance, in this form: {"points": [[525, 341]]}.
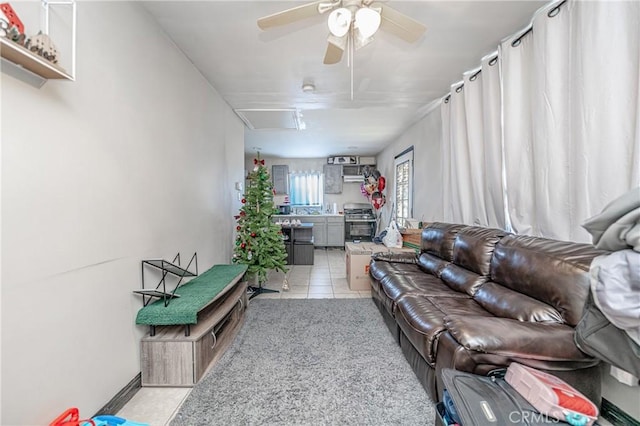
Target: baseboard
{"points": [[614, 414], [121, 398]]}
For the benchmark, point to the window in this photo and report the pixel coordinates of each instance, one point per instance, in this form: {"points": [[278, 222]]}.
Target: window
{"points": [[306, 188], [403, 186]]}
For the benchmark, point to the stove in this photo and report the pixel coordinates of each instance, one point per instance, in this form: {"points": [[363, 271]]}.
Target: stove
{"points": [[359, 222]]}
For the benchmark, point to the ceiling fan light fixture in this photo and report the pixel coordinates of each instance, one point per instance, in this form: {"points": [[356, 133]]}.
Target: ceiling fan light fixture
{"points": [[339, 22], [367, 21], [359, 40]]}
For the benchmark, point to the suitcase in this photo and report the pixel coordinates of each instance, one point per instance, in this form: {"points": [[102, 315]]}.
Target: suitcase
{"points": [[490, 400]]}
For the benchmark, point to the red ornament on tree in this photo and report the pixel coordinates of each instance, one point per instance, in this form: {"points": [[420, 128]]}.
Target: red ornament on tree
{"points": [[242, 213], [253, 234], [244, 200], [243, 245], [238, 228]]}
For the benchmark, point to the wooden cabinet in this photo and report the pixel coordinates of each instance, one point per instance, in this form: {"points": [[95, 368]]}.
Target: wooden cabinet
{"points": [[335, 231], [328, 231], [332, 179], [280, 177], [172, 359], [319, 229]]}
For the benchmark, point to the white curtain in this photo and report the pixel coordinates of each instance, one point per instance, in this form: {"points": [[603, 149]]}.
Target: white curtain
{"points": [[460, 166], [536, 126], [472, 92], [558, 123], [605, 113], [472, 151], [516, 132], [445, 114], [306, 188], [492, 142]]}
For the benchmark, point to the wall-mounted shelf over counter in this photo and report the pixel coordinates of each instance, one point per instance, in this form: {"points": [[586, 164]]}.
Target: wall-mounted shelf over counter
{"points": [[38, 65], [28, 66]]}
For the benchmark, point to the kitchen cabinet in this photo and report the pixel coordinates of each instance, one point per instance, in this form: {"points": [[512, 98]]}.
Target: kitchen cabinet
{"points": [[335, 231], [328, 230], [280, 177], [319, 229], [332, 179]]}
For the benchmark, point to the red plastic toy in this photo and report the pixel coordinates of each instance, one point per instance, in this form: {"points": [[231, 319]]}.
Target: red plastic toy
{"points": [[12, 16], [71, 417]]}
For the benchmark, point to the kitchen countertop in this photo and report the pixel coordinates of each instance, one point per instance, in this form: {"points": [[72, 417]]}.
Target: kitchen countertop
{"points": [[302, 225], [308, 215]]}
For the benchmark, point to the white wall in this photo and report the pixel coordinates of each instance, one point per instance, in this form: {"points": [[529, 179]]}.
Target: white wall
{"points": [[350, 191], [134, 160], [426, 138]]}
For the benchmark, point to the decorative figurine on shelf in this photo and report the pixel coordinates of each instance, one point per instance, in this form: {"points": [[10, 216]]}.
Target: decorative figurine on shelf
{"points": [[42, 45]]}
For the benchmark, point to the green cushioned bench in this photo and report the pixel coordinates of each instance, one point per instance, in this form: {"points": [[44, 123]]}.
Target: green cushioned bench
{"points": [[195, 295]]}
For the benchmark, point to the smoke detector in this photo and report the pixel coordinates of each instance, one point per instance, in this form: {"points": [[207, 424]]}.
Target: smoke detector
{"points": [[308, 88]]}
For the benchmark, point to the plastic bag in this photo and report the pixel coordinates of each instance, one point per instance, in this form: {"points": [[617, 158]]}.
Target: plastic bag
{"points": [[393, 239]]}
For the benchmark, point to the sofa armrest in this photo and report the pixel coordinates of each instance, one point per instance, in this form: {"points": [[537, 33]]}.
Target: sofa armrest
{"points": [[401, 257], [513, 338]]}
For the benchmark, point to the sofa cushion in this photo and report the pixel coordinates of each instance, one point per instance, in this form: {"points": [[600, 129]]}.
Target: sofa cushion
{"points": [[473, 248], [512, 338], [421, 322], [462, 280], [427, 285], [422, 319], [438, 239], [378, 269], [506, 303], [396, 257], [459, 306], [553, 272], [431, 264]]}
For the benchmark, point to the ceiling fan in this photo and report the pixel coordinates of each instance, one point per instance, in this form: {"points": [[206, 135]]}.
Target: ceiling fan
{"points": [[351, 23]]}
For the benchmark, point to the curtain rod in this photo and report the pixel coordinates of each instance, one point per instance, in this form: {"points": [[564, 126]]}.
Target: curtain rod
{"points": [[475, 75], [553, 12]]}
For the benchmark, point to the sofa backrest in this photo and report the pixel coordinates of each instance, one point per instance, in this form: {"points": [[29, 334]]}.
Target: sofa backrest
{"points": [[437, 246], [471, 258], [553, 272], [438, 239], [473, 248]]}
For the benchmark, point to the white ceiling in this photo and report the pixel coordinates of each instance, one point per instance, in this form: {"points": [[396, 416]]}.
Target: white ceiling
{"points": [[394, 81]]}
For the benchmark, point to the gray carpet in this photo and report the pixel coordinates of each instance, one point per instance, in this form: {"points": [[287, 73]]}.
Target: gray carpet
{"points": [[310, 362]]}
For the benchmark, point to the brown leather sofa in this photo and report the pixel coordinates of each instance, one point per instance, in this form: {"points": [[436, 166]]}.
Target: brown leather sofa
{"points": [[476, 299]]}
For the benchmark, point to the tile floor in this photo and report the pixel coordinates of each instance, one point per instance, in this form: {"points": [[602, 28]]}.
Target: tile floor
{"points": [[325, 279]]}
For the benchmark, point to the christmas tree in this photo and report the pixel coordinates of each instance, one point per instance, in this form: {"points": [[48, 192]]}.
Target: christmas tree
{"points": [[259, 243]]}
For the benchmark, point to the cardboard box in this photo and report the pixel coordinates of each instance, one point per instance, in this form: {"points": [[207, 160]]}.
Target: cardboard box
{"points": [[358, 256], [412, 238]]}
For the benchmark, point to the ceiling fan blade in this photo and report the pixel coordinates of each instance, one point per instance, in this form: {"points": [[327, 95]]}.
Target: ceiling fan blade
{"points": [[290, 15], [400, 24], [335, 49]]}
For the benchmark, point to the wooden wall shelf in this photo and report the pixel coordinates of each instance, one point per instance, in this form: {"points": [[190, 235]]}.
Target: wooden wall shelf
{"points": [[22, 57]]}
